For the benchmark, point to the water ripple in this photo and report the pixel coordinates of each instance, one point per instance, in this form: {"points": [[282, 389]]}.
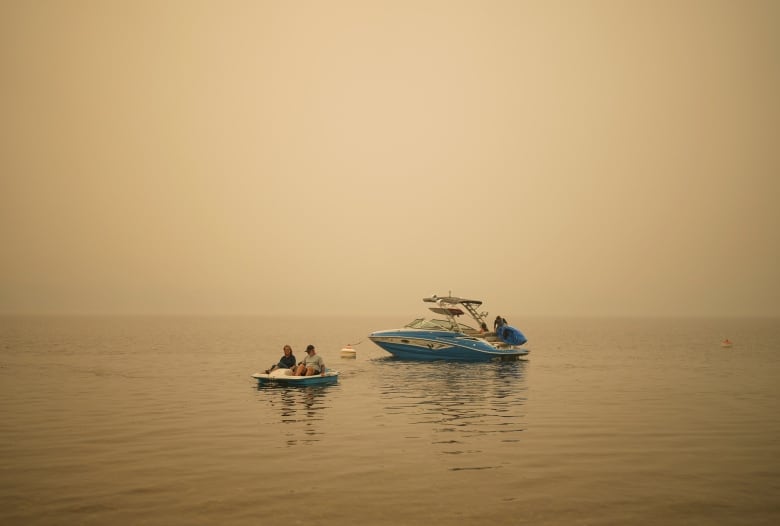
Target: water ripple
{"points": [[478, 406]]}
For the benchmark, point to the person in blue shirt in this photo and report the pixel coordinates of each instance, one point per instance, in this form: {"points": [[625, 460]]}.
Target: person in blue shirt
{"points": [[285, 362]]}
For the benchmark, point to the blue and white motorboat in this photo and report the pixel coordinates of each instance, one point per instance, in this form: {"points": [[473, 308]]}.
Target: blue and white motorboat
{"points": [[284, 377], [448, 339]]}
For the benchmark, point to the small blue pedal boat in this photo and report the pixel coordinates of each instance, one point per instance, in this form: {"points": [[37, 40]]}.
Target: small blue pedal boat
{"points": [[283, 377]]}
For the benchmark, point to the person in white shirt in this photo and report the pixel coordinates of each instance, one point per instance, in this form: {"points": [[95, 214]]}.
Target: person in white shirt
{"points": [[311, 365]]}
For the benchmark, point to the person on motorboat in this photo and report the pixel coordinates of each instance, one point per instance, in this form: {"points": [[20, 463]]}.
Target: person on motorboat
{"points": [[311, 365], [287, 361]]}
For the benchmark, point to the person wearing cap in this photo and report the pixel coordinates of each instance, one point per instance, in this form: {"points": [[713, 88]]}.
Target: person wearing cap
{"points": [[311, 365]]}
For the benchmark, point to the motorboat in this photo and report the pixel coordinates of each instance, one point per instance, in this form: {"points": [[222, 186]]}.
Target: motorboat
{"points": [[445, 338], [285, 377]]}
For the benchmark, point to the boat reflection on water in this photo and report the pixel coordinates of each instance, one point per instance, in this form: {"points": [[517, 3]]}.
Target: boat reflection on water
{"points": [[454, 380], [459, 409], [300, 410]]}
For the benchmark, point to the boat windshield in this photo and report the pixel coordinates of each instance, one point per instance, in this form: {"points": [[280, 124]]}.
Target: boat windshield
{"points": [[439, 325], [431, 325]]}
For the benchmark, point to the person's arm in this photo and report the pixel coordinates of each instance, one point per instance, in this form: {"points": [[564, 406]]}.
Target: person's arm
{"points": [[322, 367]]}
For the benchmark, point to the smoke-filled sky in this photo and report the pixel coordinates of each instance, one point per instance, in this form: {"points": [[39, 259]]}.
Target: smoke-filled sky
{"points": [[351, 157]]}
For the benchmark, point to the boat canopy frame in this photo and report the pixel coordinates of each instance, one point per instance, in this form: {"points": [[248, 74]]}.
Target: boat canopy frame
{"points": [[448, 306]]}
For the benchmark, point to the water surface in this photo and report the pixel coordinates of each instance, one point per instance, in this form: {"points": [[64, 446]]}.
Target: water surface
{"points": [[156, 421]]}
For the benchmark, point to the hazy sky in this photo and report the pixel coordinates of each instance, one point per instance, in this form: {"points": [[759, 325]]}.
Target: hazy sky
{"points": [[296, 157]]}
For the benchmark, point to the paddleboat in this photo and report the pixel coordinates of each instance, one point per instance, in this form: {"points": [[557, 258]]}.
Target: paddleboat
{"points": [[285, 377]]}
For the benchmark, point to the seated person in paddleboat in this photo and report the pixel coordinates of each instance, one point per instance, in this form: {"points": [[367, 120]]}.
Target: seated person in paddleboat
{"points": [[285, 362], [311, 365]]}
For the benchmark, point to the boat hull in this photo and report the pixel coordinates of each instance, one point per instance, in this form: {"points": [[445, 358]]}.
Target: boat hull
{"points": [[442, 345], [331, 377]]}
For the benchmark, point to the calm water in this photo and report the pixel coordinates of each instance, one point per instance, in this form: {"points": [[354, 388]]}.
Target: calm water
{"points": [[156, 421]]}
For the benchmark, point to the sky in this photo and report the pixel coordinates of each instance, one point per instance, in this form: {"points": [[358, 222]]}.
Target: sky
{"points": [[551, 158]]}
